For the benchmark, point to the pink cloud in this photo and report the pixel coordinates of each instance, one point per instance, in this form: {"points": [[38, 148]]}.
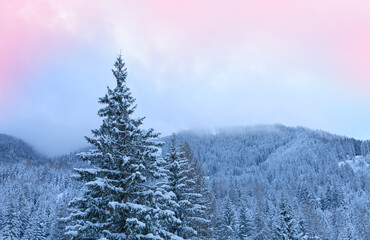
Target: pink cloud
{"points": [[27, 32], [336, 31]]}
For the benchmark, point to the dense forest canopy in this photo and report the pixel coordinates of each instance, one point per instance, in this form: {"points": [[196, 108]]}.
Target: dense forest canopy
{"points": [[255, 175]]}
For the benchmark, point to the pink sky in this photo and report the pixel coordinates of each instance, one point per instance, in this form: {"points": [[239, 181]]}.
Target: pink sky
{"points": [[336, 31], [27, 33], [249, 51]]}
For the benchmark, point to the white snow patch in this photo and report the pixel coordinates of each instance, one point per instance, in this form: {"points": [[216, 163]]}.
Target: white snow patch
{"points": [[358, 163]]}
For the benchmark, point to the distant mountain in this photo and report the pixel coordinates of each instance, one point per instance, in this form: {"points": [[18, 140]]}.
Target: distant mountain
{"points": [[232, 151], [324, 178], [14, 150], [34, 191]]}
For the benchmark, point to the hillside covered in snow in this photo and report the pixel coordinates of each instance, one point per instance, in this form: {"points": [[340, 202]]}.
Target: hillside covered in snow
{"points": [[321, 180]]}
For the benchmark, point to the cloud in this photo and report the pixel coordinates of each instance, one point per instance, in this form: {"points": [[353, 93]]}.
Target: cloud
{"points": [[334, 32], [191, 64]]}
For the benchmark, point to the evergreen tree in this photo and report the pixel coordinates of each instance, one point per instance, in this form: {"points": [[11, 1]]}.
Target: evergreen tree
{"points": [[365, 148], [204, 200], [12, 224], [302, 231], [246, 228], [59, 225], [36, 228], [228, 224], [180, 181], [121, 200], [212, 213], [286, 227]]}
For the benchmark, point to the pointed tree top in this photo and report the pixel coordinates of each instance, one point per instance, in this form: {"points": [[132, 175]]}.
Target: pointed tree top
{"points": [[120, 71], [173, 143]]}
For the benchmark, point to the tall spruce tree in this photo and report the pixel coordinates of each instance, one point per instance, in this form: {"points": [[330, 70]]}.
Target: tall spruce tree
{"points": [[121, 200]]}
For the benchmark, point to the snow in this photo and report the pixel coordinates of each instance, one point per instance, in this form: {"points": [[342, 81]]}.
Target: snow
{"points": [[136, 221], [358, 163], [98, 182], [169, 195], [115, 204], [88, 170], [137, 207], [60, 196]]}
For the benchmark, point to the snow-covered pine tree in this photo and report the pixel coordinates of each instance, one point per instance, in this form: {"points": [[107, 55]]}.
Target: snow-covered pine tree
{"points": [[302, 231], [172, 169], [204, 200], [180, 181], [58, 227], [285, 226], [12, 224], [246, 229], [177, 183], [228, 225], [36, 228], [121, 200]]}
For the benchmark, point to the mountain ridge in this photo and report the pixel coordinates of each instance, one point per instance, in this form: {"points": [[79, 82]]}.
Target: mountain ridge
{"points": [[16, 149]]}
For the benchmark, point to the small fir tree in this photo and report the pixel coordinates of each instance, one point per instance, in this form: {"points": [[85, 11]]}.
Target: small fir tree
{"points": [[246, 228], [228, 221], [12, 224], [285, 225]]}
